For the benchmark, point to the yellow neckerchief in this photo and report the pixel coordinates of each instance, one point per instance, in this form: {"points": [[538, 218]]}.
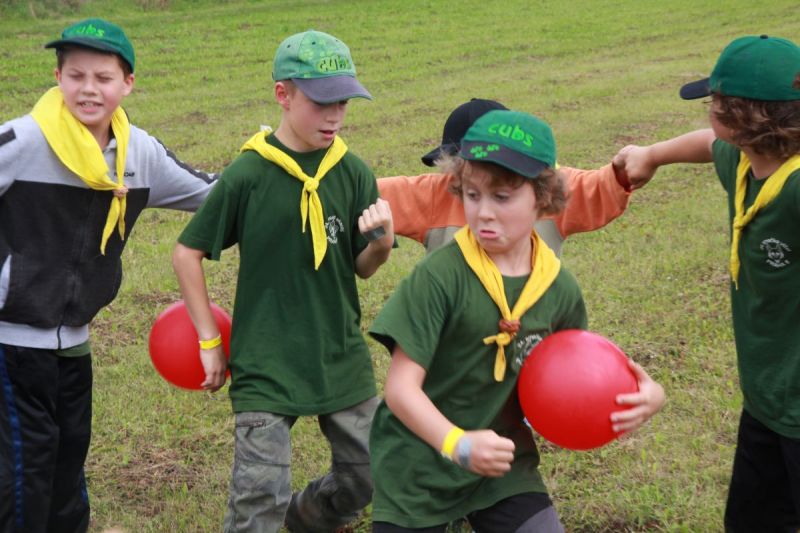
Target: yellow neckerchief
{"points": [[319, 238], [544, 269], [78, 150], [772, 187]]}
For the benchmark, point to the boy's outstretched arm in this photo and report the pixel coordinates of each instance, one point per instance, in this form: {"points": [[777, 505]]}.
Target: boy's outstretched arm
{"points": [[378, 215], [641, 162], [596, 197], [645, 403], [188, 265], [484, 452]]}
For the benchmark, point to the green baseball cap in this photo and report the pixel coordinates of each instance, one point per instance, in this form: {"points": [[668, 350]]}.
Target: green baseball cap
{"points": [[517, 141], [320, 65], [98, 34], [754, 67]]}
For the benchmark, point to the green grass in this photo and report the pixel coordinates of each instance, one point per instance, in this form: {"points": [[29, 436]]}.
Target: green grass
{"points": [[603, 73]]}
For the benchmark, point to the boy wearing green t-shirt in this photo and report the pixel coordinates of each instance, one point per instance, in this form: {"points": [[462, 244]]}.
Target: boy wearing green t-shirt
{"points": [[454, 366], [754, 142], [296, 346]]}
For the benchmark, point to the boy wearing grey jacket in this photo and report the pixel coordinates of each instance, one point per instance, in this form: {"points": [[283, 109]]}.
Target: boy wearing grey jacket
{"points": [[74, 177]]}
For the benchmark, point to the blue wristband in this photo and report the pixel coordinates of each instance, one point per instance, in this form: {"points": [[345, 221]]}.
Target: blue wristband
{"points": [[463, 451], [374, 234]]}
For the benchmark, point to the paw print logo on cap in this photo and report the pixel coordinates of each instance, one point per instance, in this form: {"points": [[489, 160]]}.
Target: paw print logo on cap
{"points": [[478, 152]]}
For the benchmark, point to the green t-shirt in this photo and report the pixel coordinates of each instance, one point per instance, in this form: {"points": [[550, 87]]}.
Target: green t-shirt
{"points": [[296, 344], [766, 307], [79, 350], [439, 315]]}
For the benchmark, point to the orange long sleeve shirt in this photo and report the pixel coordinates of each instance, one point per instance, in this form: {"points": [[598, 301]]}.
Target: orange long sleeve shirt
{"points": [[424, 210]]}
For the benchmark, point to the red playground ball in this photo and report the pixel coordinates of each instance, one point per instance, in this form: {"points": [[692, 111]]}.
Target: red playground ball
{"points": [[175, 348], [568, 387]]}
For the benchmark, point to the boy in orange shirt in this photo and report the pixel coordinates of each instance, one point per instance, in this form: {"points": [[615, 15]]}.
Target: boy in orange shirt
{"points": [[425, 210]]}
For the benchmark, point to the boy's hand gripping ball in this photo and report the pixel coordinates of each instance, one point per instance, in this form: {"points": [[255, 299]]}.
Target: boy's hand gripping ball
{"points": [[568, 387], [175, 346]]}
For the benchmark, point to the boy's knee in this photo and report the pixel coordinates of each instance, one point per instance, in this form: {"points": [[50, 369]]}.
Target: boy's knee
{"points": [[354, 487]]}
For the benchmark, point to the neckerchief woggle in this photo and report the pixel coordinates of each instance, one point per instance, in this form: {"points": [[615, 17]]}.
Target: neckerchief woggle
{"points": [[544, 270], [77, 149], [310, 203], [770, 190]]}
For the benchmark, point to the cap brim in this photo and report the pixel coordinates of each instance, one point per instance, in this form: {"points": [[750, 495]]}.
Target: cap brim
{"points": [[331, 89], [696, 89], [510, 159], [82, 41], [430, 158]]}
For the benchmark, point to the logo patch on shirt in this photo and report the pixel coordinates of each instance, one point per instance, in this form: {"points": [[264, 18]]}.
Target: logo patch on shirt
{"points": [[776, 252], [522, 348], [333, 226]]}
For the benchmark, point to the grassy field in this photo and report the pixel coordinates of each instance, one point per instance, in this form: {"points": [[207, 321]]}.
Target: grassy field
{"points": [[603, 73]]}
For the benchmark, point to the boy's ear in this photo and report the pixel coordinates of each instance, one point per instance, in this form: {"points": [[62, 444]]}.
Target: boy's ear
{"points": [[129, 79], [282, 94]]}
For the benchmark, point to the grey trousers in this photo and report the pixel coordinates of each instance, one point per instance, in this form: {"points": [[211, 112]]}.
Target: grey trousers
{"points": [[261, 498]]}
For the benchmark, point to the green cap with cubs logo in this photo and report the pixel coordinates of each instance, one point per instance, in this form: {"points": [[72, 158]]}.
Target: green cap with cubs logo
{"points": [[517, 141], [320, 65], [754, 67], [98, 34]]}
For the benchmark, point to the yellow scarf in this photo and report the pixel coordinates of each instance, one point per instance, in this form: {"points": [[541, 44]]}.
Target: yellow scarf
{"points": [[772, 187], [309, 195], [544, 269], [78, 150]]}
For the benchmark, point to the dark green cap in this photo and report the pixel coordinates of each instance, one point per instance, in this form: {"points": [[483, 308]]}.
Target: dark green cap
{"points": [[753, 67], [320, 65], [517, 141], [98, 34]]}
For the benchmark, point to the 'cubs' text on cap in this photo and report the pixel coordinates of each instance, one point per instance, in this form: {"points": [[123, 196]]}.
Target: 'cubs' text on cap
{"points": [[517, 141], [320, 65]]}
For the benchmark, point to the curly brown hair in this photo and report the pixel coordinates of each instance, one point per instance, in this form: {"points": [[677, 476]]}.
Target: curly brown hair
{"points": [[549, 186], [770, 128]]}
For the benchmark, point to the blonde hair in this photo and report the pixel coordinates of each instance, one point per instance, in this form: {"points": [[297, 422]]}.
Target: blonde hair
{"points": [[549, 186]]}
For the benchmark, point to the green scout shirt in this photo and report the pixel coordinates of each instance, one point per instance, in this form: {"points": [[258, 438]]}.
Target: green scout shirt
{"points": [[296, 343], [766, 308], [439, 315]]}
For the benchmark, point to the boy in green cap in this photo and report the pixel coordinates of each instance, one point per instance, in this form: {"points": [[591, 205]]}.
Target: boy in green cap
{"points": [[74, 177], [297, 347], [454, 365], [754, 142]]}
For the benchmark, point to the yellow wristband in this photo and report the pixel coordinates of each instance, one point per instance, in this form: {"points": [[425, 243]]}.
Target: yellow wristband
{"points": [[211, 343], [450, 440]]}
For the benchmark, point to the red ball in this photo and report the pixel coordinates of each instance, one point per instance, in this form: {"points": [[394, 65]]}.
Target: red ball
{"points": [[568, 387], [175, 348]]}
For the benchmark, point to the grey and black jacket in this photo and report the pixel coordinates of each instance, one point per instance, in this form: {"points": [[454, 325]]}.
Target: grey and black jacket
{"points": [[53, 278]]}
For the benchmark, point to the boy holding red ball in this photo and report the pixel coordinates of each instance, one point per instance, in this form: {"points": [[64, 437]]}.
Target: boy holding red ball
{"points": [[457, 367]]}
